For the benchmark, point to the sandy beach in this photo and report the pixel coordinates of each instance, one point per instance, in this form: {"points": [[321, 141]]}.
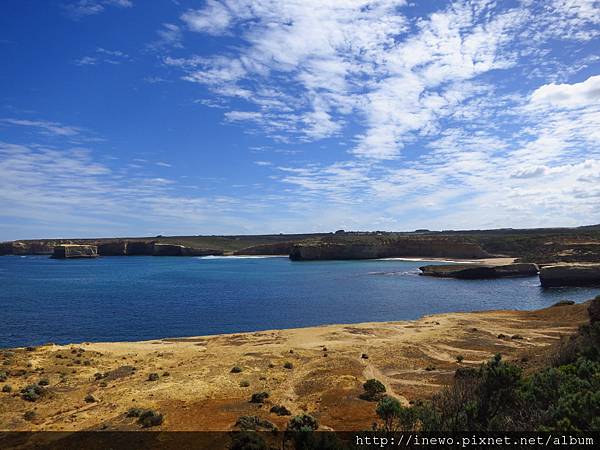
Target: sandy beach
{"points": [[196, 389]]}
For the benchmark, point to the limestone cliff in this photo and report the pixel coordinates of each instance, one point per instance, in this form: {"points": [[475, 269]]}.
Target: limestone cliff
{"points": [[70, 251], [558, 275], [371, 248]]}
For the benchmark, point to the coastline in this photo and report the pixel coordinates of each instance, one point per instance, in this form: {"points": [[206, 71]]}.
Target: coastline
{"points": [[196, 389]]}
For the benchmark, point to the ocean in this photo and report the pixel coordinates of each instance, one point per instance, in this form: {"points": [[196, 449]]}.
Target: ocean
{"points": [[45, 300]]}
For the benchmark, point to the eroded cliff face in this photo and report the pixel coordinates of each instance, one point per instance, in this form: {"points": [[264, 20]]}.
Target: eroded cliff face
{"points": [[558, 275], [388, 248], [70, 251], [117, 248]]}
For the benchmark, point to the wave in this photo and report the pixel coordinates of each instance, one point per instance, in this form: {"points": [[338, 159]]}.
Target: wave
{"points": [[241, 257]]}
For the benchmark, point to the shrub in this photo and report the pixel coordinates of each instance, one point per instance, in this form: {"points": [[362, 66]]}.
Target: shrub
{"points": [[259, 397], [429, 368], [303, 422], [460, 358], [236, 369], [288, 365], [150, 418], [374, 389], [134, 412], [395, 416], [29, 416], [244, 383], [7, 388], [364, 356], [253, 423], [166, 374], [153, 377], [32, 392], [281, 410], [517, 337], [247, 441], [90, 398], [3, 376], [44, 382]]}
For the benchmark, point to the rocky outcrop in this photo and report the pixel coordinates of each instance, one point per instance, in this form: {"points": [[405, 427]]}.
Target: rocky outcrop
{"points": [[278, 248], [115, 248], [393, 248], [140, 248], [479, 271], [69, 251], [558, 275]]}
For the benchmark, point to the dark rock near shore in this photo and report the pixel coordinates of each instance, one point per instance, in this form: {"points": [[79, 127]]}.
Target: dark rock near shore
{"points": [[558, 275], [168, 250], [478, 271], [70, 251]]}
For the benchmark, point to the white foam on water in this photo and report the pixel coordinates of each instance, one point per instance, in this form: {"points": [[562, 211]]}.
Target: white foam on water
{"points": [[241, 257]]}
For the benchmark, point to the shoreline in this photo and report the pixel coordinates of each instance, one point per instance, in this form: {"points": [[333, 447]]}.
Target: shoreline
{"points": [[196, 388]]}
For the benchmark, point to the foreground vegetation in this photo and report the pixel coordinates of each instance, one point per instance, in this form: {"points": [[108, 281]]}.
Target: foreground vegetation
{"points": [[498, 397]]}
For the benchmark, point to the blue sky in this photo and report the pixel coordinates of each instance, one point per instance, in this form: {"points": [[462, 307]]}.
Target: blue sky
{"points": [[129, 118]]}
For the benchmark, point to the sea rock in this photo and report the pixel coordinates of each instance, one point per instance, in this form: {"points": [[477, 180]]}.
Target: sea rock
{"points": [[558, 275], [115, 248], [68, 251], [479, 271]]}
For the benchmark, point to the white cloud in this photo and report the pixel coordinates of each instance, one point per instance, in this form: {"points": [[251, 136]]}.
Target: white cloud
{"points": [[568, 95], [214, 18], [82, 8], [47, 127]]}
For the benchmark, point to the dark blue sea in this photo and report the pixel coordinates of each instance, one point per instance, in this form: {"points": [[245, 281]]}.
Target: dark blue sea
{"points": [[136, 298]]}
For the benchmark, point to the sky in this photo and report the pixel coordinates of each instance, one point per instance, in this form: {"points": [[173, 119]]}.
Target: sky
{"points": [[175, 117]]}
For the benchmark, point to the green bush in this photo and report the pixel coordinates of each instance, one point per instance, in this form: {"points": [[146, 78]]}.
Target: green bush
{"points": [[236, 369], [303, 422], [7, 388], [254, 423], [281, 410], [150, 418], [288, 365], [259, 397], [374, 389], [32, 392], [3, 376]]}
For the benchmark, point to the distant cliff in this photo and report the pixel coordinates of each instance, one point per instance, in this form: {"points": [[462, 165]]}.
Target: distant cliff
{"points": [[371, 247]]}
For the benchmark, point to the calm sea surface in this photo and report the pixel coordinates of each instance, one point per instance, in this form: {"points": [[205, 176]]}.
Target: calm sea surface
{"points": [[135, 298]]}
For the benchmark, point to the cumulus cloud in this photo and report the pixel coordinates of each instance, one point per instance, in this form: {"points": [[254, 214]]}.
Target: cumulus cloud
{"points": [[568, 95]]}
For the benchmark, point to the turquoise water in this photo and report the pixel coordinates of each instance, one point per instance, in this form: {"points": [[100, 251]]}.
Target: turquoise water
{"points": [[134, 298]]}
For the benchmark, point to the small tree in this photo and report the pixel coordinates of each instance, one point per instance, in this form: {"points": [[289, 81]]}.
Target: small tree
{"points": [[374, 389], [303, 422]]}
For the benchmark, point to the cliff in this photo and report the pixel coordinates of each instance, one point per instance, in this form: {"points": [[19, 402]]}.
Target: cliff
{"points": [[558, 275], [477, 271], [279, 248], [374, 247], [70, 251]]}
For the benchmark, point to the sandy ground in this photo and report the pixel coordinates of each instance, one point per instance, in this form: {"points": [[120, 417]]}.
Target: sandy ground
{"points": [[197, 391]]}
